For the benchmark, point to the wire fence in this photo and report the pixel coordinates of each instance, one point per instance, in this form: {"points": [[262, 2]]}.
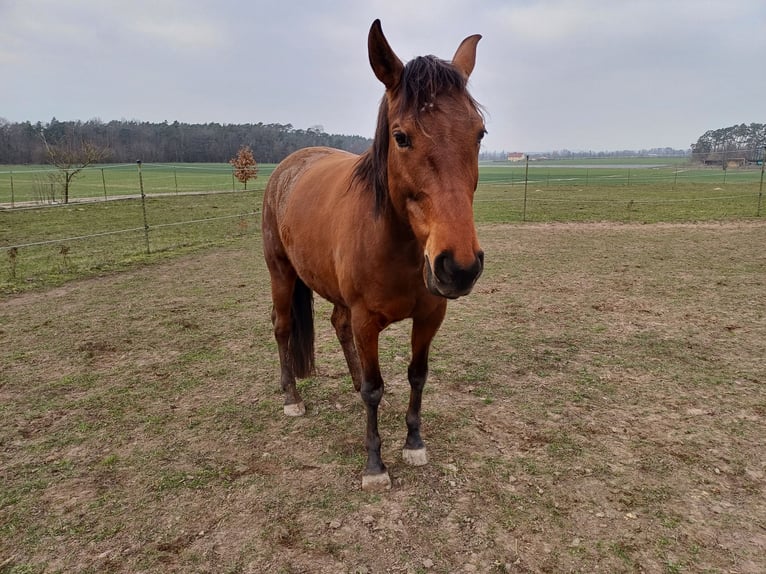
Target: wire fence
{"points": [[569, 191], [29, 186], [120, 214], [25, 186], [142, 217]]}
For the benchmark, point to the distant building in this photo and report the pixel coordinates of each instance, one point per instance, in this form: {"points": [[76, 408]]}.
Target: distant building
{"points": [[732, 162], [515, 156]]}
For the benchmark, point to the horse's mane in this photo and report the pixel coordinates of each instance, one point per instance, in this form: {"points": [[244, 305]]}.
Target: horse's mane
{"points": [[422, 80]]}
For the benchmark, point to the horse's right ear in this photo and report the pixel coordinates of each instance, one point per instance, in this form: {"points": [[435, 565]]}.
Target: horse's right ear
{"points": [[386, 65]]}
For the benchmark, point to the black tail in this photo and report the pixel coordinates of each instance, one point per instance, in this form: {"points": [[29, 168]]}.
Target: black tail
{"points": [[301, 344]]}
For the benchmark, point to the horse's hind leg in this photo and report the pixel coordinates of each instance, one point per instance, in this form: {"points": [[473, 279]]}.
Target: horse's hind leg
{"points": [[423, 332], [341, 320], [283, 282]]}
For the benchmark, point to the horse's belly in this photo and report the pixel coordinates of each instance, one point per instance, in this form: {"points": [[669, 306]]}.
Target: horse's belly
{"points": [[318, 274]]}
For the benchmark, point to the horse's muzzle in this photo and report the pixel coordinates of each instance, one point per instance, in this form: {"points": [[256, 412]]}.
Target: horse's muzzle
{"points": [[446, 278]]}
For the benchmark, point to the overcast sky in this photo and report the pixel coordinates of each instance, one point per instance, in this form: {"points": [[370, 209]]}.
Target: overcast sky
{"points": [[557, 74]]}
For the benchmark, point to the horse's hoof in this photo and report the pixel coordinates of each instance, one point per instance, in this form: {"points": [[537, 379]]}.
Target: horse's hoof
{"points": [[376, 482], [295, 410], [415, 456]]}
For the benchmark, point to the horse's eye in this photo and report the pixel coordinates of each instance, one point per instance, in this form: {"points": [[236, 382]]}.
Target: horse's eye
{"points": [[402, 140], [482, 133]]}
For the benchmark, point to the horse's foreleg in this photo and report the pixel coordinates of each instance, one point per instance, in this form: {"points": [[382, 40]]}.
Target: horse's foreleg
{"points": [[366, 334], [341, 320], [423, 332]]}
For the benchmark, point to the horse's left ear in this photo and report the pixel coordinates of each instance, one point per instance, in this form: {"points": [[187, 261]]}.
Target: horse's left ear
{"points": [[465, 56]]}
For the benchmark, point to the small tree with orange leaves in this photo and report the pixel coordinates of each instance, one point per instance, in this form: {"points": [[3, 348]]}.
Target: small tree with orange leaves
{"points": [[244, 165]]}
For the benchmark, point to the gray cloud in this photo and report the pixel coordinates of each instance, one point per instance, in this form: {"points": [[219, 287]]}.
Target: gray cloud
{"points": [[578, 74]]}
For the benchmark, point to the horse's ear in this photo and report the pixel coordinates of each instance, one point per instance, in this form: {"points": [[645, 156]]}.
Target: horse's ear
{"points": [[465, 56], [386, 65]]}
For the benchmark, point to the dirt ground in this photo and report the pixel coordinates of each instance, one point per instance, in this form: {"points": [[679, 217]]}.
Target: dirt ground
{"points": [[596, 405]]}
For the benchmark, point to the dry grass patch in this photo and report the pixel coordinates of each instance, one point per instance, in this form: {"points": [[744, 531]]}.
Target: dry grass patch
{"points": [[595, 405]]}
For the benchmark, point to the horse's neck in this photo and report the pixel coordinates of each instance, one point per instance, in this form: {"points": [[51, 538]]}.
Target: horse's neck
{"points": [[398, 235]]}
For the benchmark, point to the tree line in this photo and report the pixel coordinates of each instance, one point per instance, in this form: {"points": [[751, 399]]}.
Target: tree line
{"points": [[128, 141], [745, 142]]}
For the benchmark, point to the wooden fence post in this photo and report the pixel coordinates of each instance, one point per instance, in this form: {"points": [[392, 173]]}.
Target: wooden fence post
{"points": [[143, 207], [526, 181], [760, 189]]}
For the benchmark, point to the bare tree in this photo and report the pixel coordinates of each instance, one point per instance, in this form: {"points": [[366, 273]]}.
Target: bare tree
{"points": [[71, 157], [244, 165]]}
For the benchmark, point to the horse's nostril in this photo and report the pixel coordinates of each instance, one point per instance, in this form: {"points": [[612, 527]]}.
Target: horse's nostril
{"points": [[448, 271], [443, 266]]}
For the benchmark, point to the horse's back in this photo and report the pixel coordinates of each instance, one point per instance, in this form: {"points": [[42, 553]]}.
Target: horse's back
{"points": [[307, 216], [309, 174]]}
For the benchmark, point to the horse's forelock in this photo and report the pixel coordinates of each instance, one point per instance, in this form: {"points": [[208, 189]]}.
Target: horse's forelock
{"points": [[425, 78]]}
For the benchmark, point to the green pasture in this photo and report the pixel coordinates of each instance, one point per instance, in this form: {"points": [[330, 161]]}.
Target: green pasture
{"points": [[48, 246], [587, 173], [192, 207], [24, 184], [566, 191]]}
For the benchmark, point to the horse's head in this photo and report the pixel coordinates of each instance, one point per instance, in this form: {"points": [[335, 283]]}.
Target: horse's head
{"points": [[429, 133]]}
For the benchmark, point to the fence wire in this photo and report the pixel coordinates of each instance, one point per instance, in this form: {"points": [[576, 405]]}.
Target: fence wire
{"points": [[130, 230], [180, 199]]}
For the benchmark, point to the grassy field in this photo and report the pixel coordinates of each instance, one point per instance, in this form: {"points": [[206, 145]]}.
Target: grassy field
{"points": [[646, 203], [84, 239], [55, 243], [582, 191], [33, 183], [596, 405]]}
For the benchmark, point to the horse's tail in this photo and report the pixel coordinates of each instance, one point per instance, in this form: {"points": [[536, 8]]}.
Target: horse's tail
{"points": [[301, 345]]}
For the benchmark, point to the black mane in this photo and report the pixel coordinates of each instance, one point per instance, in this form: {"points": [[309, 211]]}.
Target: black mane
{"points": [[423, 79]]}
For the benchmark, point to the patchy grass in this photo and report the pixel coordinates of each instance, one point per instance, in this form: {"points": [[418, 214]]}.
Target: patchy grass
{"points": [[42, 247], [54, 245], [595, 405]]}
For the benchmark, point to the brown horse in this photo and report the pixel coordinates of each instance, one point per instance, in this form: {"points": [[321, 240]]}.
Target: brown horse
{"points": [[384, 236]]}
